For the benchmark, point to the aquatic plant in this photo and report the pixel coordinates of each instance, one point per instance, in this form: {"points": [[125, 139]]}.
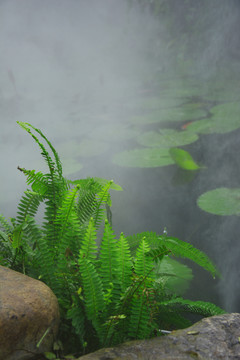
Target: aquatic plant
{"points": [[109, 290]]}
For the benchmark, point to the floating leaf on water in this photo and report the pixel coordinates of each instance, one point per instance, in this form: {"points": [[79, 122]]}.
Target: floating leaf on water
{"points": [[221, 201], [225, 118], [154, 157], [71, 166], [183, 159], [167, 138], [203, 126], [181, 113]]}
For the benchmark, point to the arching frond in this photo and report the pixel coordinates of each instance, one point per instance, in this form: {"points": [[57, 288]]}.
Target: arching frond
{"points": [[180, 305], [186, 250]]}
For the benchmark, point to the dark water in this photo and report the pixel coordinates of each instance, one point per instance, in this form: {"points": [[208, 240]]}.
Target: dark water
{"points": [[80, 72]]}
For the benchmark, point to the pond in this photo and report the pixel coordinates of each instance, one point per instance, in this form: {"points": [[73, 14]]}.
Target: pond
{"points": [[101, 84]]}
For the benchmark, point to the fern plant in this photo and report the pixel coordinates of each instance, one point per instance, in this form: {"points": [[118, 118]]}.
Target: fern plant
{"points": [[109, 290]]}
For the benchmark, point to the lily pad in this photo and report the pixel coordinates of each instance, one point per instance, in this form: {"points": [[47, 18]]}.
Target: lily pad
{"points": [[167, 138], [226, 118], [183, 113], [144, 158], [183, 159], [71, 166], [221, 201]]}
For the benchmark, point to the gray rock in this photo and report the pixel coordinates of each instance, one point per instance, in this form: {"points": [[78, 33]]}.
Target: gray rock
{"points": [[28, 309], [213, 338]]}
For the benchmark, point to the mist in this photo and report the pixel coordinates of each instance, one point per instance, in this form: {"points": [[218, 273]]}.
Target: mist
{"points": [[81, 70]]}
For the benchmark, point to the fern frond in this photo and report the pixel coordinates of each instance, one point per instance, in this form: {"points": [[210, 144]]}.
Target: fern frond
{"points": [[104, 182], [103, 197], [87, 199], [143, 263], [76, 314], [186, 250], [93, 294], [135, 239], [140, 325], [28, 206], [44, 152], [57, 159], [176, 247], [108, 257], [52, 165], [37, 180], [89, 246], [66, 215], [5, 225], [6, 250], [44, 262], [124, 263], [180, 305]]}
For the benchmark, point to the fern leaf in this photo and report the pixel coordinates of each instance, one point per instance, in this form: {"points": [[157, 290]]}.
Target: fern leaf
{"points": [[124, 263], [108, 257], [51, 164], [44, 152], [135, 239], [93, 294], [76, 314], [180, 305], [143, 263], [186, 250], [103, 197], [28, 206], [37, 180], [87, 201], [4, 225], [6, 250], [66, 214], [88, 246], [140, 318]]}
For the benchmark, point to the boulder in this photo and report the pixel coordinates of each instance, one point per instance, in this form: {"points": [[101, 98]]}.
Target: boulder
{"points": [[28, 313], [213, 338]]}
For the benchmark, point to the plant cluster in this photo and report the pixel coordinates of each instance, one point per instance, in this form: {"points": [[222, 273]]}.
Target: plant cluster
{"points": [[109, 290]]}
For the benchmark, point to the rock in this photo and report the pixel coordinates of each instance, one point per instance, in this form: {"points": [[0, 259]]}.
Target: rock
{"points": [[213, 338], [28, 310]]}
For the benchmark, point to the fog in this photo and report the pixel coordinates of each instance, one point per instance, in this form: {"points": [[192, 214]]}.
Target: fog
{"points": [[80, 70]]}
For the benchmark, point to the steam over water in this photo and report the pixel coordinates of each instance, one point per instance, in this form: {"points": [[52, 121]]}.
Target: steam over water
{"points": [[87, 72]]}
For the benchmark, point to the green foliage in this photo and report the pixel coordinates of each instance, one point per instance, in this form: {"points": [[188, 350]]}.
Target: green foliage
{"points": [[220, 201], [148, 157], [109, 290], [183, 159], [167, 138]]}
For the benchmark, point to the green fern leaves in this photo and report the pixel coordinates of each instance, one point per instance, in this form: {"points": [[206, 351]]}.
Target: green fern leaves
{"points": [[109, 290]]}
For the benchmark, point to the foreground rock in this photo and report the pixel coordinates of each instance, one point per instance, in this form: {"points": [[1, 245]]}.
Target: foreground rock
{"points": [[214, 338], [28, 308]]}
